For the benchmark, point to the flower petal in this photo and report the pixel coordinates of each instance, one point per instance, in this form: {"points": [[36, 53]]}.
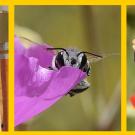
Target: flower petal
{"points": [[26, 107], [30, 107], [36, 87], [25, 65], [38, 51], [62, 82], [42, 54]]}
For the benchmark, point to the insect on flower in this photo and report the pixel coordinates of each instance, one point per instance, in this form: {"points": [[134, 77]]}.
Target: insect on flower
{"points": [[43, 76], [77, 59], [35, 84], [74, 58]]}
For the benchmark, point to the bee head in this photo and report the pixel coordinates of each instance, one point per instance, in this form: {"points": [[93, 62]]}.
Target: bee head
{"points": [[71, 57]]}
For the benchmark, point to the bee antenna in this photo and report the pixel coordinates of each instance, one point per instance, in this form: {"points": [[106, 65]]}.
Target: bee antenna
{"points": [[91, 54], [58, 49]]}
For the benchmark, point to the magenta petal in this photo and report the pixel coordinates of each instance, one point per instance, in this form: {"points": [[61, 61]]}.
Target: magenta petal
{"points": [[42, 54], [38, 51], [59, 86], [19, 49], [36, 87], [30, 107], [62, 82]]}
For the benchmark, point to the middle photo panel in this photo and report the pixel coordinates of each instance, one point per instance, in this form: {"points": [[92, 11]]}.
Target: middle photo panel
{"points": [[67, 68]]}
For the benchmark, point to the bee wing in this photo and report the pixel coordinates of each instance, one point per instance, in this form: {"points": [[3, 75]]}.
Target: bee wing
{"points": [[27, 42], [93, 59]]}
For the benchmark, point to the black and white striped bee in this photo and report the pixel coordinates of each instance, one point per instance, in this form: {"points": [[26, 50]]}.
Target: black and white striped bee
{"points": [[77, 59]]}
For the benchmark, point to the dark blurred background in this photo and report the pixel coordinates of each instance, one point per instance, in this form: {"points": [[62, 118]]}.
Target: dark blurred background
{"points": [[130, 66], [89, 28]]}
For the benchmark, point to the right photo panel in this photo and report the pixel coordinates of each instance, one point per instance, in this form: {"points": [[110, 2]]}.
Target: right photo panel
{"points": [[131, 68]]}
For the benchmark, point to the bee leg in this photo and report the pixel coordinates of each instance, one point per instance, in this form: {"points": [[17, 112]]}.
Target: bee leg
{"points": [[83, 85], [88, 71], [71, 93]]}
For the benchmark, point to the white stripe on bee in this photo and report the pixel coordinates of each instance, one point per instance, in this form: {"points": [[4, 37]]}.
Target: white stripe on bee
{"points": [[53, 63]]}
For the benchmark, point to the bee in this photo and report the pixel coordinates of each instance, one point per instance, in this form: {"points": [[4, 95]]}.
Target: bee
{"points": [[77, 59], [71, 57]]}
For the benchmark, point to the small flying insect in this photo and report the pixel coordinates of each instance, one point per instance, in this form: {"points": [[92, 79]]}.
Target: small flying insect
{"points": [[75, 58]]}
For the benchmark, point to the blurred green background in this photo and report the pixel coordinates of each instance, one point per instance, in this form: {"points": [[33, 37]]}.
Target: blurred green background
{"points": [[130, 66], [89, 28]]}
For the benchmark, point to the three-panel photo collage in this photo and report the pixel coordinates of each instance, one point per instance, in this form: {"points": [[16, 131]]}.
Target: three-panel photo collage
{"points": [[67, 68]]}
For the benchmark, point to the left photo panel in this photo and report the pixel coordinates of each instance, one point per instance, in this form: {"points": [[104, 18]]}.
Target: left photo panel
{"points": [[3, 68]]}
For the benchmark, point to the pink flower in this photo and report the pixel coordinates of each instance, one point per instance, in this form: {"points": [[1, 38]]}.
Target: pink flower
{"points": [[37, 87], [133, 100]]}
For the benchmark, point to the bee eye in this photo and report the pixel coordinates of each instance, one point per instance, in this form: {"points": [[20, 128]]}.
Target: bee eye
{"points": [[59, 60], [83, 61]]}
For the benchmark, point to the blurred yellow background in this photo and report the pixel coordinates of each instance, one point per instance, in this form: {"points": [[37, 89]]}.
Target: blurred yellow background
{"points": [[130, 66], [88, 28]]}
